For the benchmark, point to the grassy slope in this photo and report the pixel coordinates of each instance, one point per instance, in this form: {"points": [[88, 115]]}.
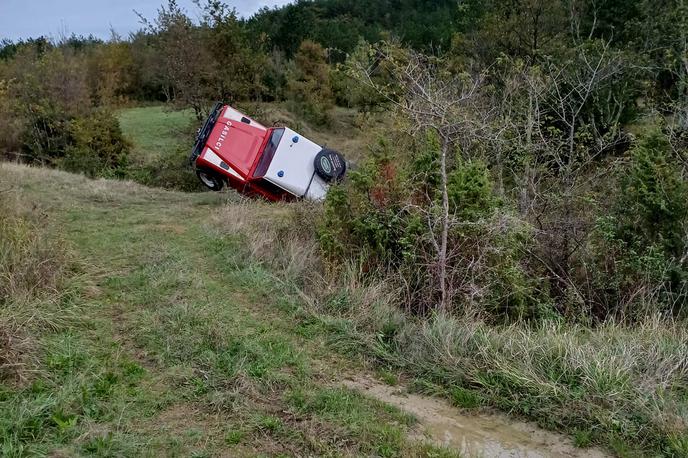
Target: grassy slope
{"points": [[154, 131], [181, 346], [617, 386]]}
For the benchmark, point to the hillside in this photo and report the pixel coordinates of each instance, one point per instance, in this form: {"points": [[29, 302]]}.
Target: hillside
{"points": [[205, 324], [175, 340], [509, 243], [175, 343]]}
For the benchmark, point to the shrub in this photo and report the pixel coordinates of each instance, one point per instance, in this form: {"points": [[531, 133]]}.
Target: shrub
{"points": [[351, 90], [170, 171], [97, 146], [308, 87], [46, 136], [470, 190], [11, 126], [653, 205], [386, 218], [48, 90], [366, 216], [640, 247]]}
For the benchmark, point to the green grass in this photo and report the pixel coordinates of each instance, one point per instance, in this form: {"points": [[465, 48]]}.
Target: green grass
{"points": [[182, 346], [154, 131], [161, 140]]}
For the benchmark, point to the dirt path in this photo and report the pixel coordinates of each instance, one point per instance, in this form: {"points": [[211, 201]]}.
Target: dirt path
{"points": [[479, 434]]}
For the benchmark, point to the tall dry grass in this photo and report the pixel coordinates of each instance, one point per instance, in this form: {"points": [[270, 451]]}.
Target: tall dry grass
{"points": [[617, 383], [278, 236], [33, 270]]}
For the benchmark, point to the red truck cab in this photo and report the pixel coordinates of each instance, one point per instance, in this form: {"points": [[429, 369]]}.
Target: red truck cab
{"points": [[275, 163]]}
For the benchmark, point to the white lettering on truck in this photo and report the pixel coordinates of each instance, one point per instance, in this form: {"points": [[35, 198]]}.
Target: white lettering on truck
{"points": [[223, 136]]}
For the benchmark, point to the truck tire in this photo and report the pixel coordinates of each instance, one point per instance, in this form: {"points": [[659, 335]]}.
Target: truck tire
{"points": [[210, 179], [329, 165]]}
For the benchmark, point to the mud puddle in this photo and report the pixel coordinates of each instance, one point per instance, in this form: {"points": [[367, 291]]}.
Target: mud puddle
{"points": [[474, 435]]}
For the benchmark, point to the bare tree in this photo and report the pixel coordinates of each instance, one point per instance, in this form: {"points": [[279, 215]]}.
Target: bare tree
{"points": [[446, 105], [563, 138]]}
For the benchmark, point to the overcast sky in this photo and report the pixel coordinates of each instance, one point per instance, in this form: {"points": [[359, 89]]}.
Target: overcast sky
{"points": [[54, 18]]}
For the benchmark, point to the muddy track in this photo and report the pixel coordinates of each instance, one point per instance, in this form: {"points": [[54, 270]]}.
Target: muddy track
{"points": [[482, 434]]}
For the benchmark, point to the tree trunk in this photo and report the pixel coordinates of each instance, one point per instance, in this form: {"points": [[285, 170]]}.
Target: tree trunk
{"points": [[683, 78], [442, 255], [524, 199]]}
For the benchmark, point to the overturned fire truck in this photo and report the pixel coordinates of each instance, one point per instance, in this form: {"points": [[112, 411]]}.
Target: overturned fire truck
{"points": [[275, 163]]}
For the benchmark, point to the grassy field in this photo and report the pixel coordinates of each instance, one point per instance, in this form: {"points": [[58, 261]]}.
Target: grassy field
{"points": [[154, 131], [173, 343], [169, 340], [161, 332]]}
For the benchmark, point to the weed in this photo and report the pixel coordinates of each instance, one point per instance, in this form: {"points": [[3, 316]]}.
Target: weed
{"points": [[234, 437], [582, 438], [269, 423], [678, 445], [388, 377], [461, 397]]}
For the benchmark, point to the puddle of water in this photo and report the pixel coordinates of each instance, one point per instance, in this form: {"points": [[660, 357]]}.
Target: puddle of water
{"points": [[475, 435]]}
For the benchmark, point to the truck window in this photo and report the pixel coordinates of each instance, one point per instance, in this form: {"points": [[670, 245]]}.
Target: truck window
{"points": [[268, 153]]}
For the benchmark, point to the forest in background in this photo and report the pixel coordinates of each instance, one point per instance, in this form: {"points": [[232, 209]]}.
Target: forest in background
{"points": [[532, 170]]}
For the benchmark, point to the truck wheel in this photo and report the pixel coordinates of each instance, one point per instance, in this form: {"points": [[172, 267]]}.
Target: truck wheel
{"points": [[210, 179], [329, 165]]}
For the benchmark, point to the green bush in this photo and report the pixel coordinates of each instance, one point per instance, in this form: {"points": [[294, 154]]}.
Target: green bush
{"points": [[386, 217], [366, 216], [653, 205], [46, 136], [97, 146], [171, 171], [470, 190], [11, 126], [640, 246], [308, 88]]}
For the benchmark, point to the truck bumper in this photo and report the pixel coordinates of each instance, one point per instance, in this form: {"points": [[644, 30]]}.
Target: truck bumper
{"points": [[205, 131]]}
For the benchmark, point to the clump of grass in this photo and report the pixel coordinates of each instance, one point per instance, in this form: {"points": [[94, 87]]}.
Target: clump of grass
{"points": [[33, 269], [379, 433], [582, 437], [235, 436], [276, 235], [31, 263], [388, 377], [461, 397], [612, 381]]}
